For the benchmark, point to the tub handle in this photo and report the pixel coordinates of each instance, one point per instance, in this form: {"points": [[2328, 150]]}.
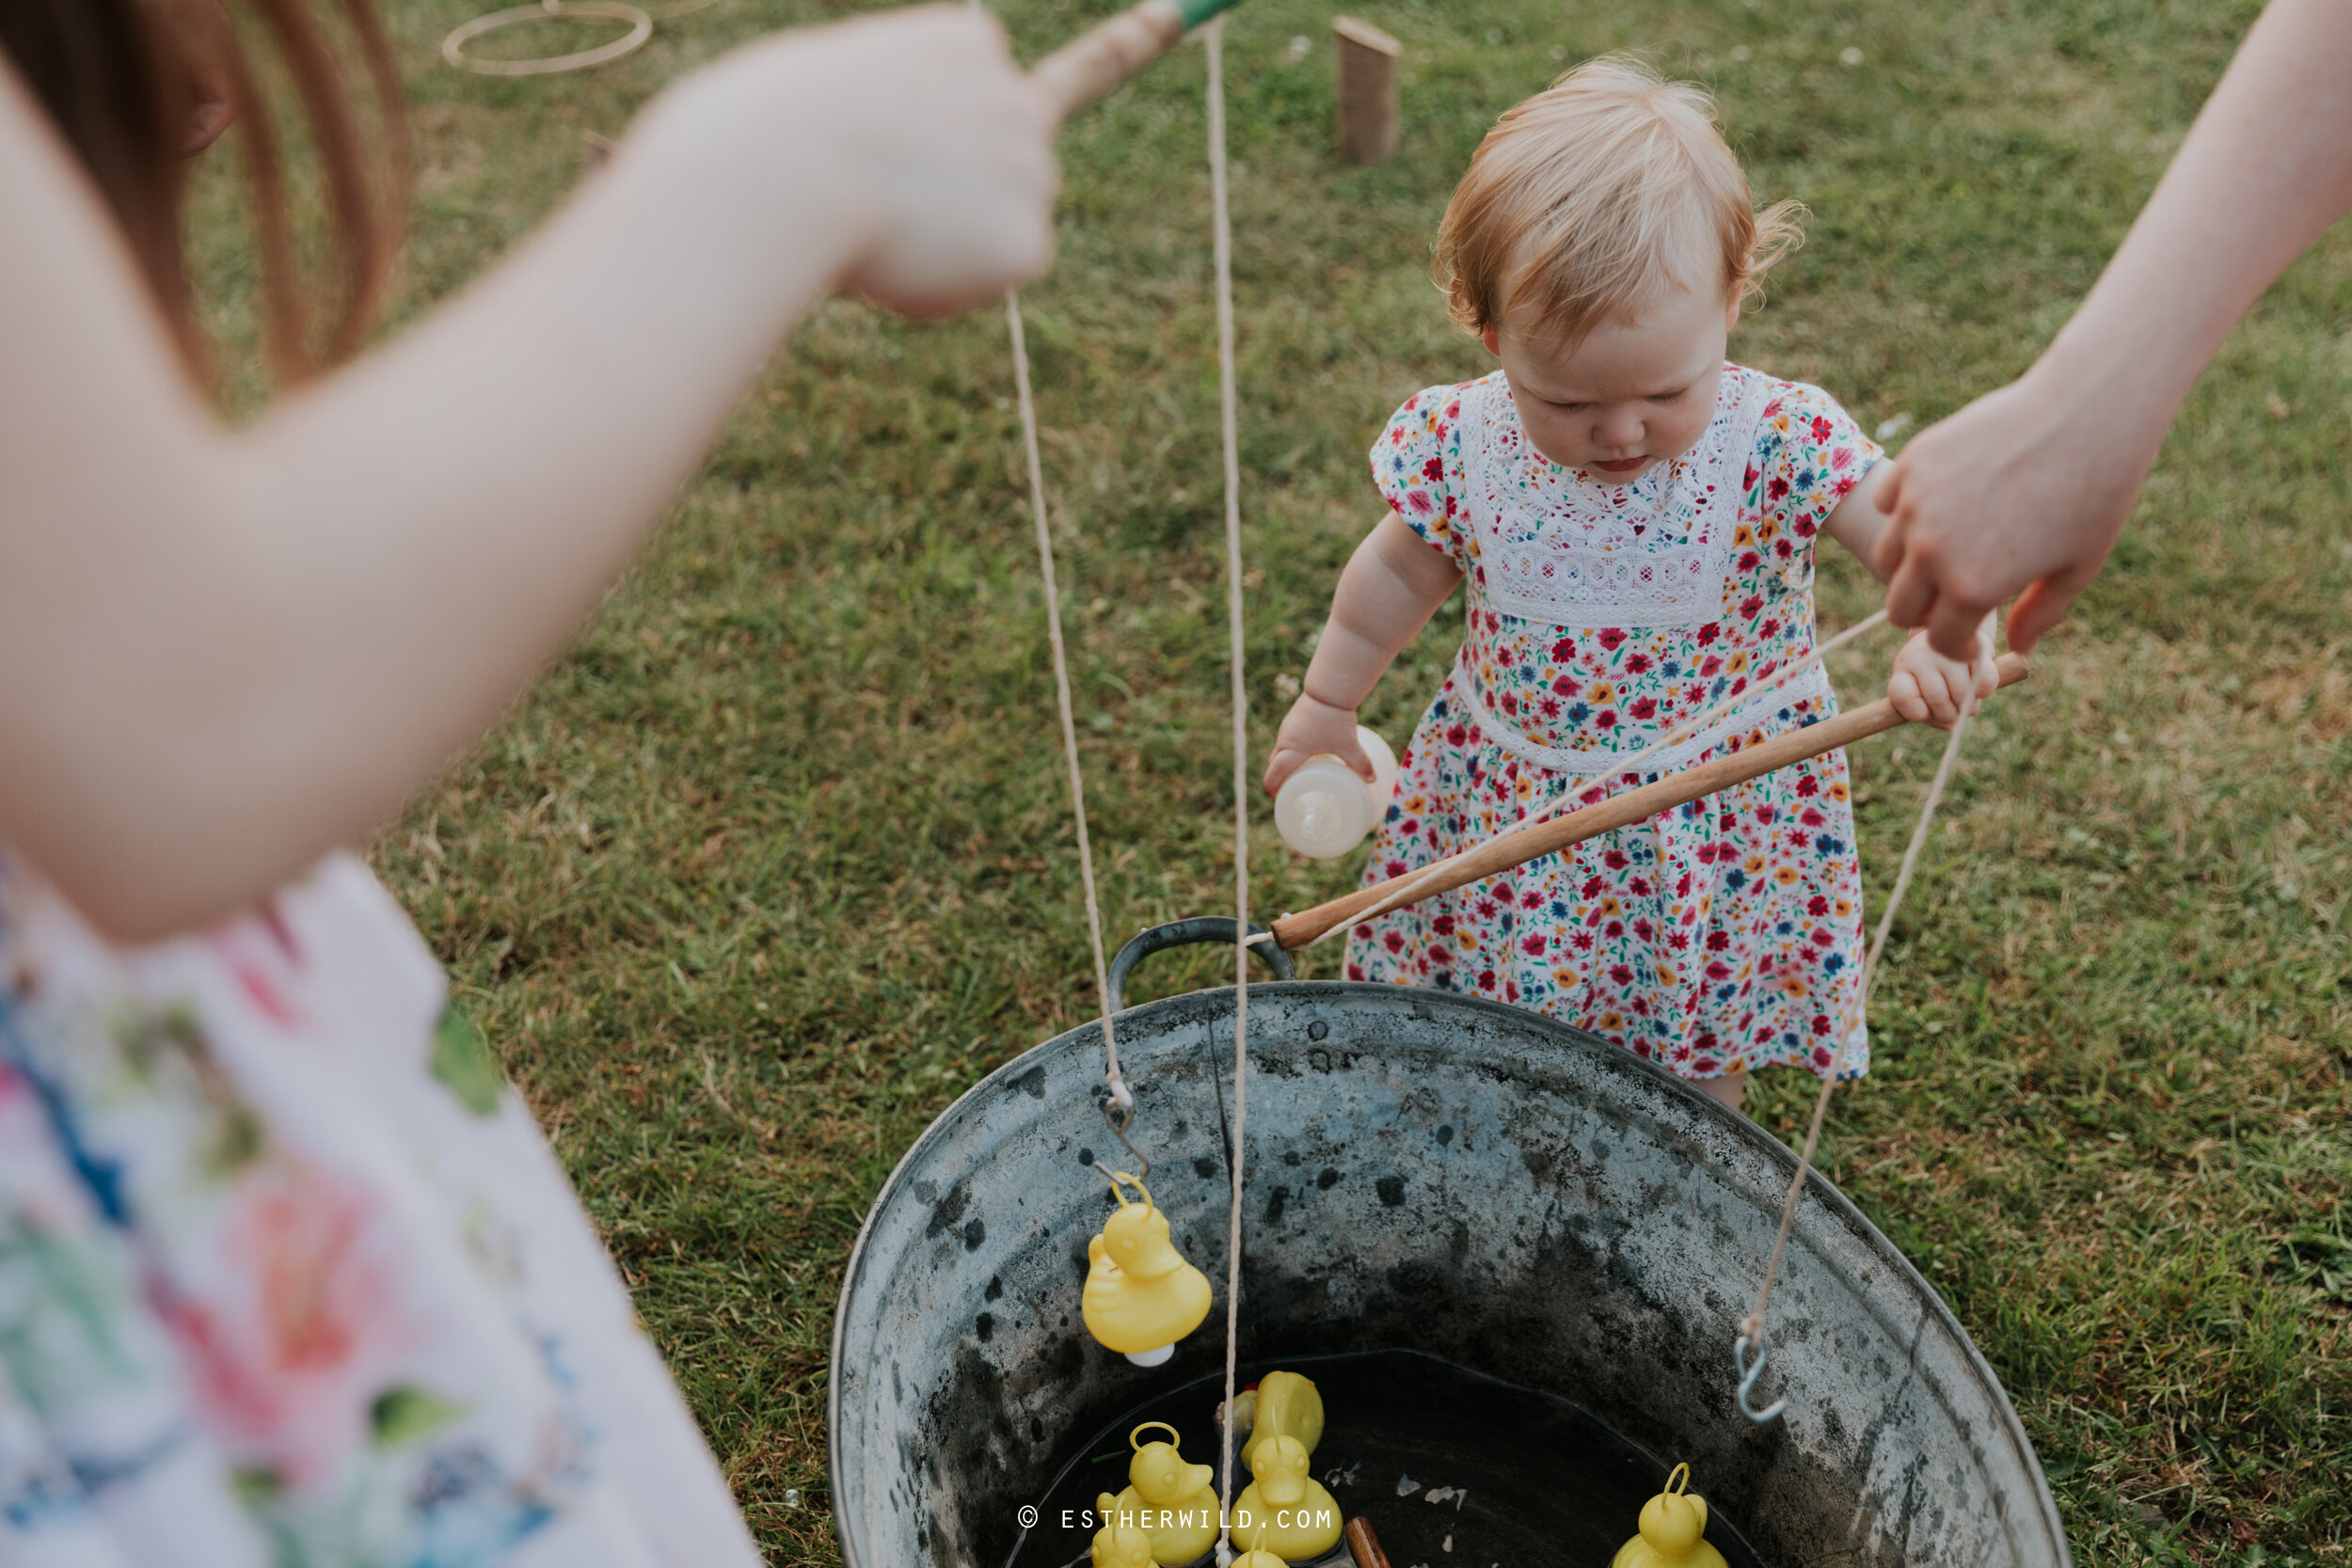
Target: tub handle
{"points": [[1186, 933]]}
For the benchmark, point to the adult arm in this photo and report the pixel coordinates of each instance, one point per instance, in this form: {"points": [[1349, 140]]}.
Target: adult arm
{"points": [[223, 652], [2027, 488], [1390, 588]]}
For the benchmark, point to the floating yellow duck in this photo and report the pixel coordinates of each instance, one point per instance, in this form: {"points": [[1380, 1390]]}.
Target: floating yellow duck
{"points": [[1141, 1296], [1173, 1503], [1674, 1531], [1285, 1509], [1120, 1546], [1284, 1405]]}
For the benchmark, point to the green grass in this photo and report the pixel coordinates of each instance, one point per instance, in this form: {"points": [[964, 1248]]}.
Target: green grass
{"points": [[776, 860]]}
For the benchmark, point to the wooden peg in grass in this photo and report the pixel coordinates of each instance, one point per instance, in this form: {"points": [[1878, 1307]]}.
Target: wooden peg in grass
{"points": [[1368, 102], [1521, 845]]}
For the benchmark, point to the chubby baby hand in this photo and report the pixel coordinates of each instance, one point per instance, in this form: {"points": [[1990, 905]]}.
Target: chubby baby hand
{"points": [[1926, 686], [1313, 729]]}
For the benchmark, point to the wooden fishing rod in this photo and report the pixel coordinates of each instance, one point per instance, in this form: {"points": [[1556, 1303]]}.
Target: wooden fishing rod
{"points": [[1521, 845], [1108, 54]]}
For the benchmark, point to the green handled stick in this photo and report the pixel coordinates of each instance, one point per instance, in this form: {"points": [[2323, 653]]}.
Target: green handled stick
{"points": [[1099, 59]]}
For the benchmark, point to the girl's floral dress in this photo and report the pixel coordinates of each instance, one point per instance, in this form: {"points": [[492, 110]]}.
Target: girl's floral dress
{"points": [[1720, 936], [287, 1277]]}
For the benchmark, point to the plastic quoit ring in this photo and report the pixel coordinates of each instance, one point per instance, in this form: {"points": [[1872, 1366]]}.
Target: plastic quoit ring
{"points": [[640, 29]]}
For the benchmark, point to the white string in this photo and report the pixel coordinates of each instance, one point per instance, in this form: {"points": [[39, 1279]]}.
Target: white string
{"points": [[1228, 402], [1425, 882], [1121, 1098], [1752, 1327]]}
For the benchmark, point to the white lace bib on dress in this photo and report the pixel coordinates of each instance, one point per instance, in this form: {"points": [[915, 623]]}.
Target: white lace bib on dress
{"points": [[1563, 551]]}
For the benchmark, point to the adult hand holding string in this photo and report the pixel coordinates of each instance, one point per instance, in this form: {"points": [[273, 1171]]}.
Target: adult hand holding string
{"points": [[2027, 488]]}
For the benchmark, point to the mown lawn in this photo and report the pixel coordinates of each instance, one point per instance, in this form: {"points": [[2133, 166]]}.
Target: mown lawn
{"points": [[776, 861]]}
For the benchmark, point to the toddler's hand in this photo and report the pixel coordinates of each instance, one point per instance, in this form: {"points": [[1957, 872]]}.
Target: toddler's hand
{"points": [[1928, 686], [1311, 729]]}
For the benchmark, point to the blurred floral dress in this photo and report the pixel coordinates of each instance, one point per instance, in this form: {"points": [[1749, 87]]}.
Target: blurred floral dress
{"points": [[1720, 936], [289, 1277]]}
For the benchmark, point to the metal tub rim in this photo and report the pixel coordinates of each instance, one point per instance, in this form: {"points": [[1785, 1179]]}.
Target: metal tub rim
{"points": [[1820, 1190]]}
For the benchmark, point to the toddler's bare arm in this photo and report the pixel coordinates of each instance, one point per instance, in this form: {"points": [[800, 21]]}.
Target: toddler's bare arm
{"points": [[1856, 521], [1391, 587]]}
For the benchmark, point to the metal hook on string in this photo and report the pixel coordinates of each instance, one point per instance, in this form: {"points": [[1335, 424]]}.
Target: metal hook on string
{"points": [[1750, 1336], [1119, 1112], [1750, 1374]]}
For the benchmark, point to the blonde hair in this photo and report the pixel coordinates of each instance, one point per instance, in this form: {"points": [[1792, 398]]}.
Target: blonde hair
{"points": [[1596, 198]]}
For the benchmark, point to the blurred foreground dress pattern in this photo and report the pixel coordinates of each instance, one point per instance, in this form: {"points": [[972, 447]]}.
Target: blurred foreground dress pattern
{"points": [[289, 1276]]}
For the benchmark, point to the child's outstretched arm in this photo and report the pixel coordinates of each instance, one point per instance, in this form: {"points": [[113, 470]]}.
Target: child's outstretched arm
{"points": [[1926, 686], [1391, 586], [224, 651]]}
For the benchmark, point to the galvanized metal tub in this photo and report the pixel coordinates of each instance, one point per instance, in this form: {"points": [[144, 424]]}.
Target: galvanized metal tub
{"points": [[1424, 1171]]}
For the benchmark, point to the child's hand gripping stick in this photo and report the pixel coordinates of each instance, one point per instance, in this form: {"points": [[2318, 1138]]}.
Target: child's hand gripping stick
{"points": [[1099, 59]]}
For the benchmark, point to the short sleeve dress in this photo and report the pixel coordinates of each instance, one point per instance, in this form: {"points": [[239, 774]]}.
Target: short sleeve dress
{"points": [[1718, 937], [289, 1278]]}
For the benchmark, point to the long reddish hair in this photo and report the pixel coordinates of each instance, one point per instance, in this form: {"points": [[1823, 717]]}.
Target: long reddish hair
{"points": [[115, 76]]}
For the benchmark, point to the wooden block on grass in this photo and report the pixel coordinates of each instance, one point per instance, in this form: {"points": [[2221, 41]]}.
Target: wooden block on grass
{"points": [[1368, 102]]}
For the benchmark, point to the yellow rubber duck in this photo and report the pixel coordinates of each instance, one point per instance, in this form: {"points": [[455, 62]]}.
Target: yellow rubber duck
{"points": [[1299, 1519], [1173, 1503], [1118, 1545], [1674, 1531], [1257, 1556], [1284, 1405], [1141, 1296]]}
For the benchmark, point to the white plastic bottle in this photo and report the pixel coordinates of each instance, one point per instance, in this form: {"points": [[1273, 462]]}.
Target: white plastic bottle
{"points": [[1325, 810]]}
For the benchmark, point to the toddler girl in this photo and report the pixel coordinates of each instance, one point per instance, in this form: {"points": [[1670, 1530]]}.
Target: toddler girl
{"points": [[1636, 519]]}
